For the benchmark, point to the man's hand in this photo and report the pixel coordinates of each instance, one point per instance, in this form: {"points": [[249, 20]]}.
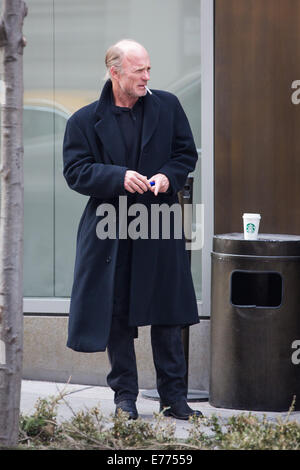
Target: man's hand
{"points": [[161, 183], [135, 182]]}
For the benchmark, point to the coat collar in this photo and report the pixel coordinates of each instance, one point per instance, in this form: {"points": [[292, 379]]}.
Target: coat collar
{"points": [[107, 127]]}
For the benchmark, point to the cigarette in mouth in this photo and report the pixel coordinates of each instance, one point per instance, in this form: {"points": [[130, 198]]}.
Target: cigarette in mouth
{"points": [[150, 92]]}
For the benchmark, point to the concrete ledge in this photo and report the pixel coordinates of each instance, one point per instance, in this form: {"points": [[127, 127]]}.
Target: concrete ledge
{"points": [[46, 356]]}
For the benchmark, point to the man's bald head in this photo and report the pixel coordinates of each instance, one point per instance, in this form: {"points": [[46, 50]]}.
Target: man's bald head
{"points": [[117, 52]]}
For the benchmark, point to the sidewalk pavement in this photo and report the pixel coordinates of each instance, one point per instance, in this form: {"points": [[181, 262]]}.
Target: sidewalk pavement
{"points": [[83, 397]]}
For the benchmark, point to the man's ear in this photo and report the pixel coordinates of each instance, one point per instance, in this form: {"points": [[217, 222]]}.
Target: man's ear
{"points": [[114, 73]]}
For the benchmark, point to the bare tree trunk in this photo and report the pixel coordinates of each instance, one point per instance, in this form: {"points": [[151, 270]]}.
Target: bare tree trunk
{"points": [[11, 221]]}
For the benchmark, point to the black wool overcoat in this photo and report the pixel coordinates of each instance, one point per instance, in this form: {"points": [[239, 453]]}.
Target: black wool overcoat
{"points": [[162, 291]]}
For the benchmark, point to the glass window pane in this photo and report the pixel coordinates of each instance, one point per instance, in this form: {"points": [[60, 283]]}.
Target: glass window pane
{"points": [[68, 207], [38, 201], [38, 150], [83, 32], [63, 71]]}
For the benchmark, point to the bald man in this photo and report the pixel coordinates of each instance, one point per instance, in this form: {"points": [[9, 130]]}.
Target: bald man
{"points": [[137, 144]]}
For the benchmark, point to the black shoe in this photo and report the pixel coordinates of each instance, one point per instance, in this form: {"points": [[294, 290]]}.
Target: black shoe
{"points": [[180, 410], [129, 407]]}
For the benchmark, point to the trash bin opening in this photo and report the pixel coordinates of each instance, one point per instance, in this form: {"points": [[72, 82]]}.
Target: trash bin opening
{"points": [[256, 289]]}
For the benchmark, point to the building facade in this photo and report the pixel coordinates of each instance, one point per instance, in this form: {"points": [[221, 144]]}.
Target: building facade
{"points": [[234, 65], [64, 70]]}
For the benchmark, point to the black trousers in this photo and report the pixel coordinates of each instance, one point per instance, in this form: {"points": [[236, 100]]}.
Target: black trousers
{"points": [[168, 357], [166, 341]]}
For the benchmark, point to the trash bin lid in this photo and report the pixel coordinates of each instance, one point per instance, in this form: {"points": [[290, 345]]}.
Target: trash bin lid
{"points": [[266, 245]]}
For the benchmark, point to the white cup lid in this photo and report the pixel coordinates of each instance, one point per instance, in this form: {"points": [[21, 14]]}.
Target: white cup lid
{"points": [[252, 216]]}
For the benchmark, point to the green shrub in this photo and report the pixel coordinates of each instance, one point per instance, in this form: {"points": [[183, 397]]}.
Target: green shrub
{"points": [[42, 424], [245, 432], [90, 430]]}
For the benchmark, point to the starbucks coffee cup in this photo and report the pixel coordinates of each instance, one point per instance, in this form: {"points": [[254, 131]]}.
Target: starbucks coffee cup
{"points": [[251, 226]]}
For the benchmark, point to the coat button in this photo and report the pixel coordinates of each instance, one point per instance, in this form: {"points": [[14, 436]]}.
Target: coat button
{"points": [[108, 259]]}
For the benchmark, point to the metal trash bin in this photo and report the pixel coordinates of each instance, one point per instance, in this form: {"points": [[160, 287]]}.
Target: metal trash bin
{"points": [[255, 322]]}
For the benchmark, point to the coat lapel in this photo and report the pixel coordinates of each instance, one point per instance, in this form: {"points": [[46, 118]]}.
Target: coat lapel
{"points": [[151, 115], [109, 132], [150, 122], [107, 128]]}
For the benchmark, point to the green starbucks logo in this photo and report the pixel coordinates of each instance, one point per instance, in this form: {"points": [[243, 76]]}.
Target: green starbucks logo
{"points": [[250, 228]]}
